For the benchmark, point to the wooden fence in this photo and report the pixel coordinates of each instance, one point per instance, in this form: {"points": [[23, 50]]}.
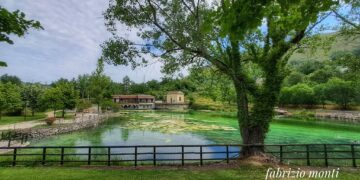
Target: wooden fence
{"points": [[312, 154]]}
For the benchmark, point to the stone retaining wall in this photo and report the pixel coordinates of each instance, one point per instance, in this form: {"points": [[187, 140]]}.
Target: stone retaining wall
{"points": [[345, 116], [91, 122]]}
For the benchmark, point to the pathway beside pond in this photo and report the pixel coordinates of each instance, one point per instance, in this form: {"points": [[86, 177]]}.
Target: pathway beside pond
{"points": [[30, 124]]}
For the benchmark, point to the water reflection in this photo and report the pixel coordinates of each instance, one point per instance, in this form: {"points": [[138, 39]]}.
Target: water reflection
{"points": [[125, 137]]}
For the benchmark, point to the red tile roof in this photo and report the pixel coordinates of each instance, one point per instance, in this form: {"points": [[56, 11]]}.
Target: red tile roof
{"points": [[138, 96]]}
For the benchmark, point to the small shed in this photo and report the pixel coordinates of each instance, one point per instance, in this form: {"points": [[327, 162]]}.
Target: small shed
{"points": [[175, 97]]}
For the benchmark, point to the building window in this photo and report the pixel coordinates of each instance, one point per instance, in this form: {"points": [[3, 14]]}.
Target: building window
{"points": [[179, 98]]}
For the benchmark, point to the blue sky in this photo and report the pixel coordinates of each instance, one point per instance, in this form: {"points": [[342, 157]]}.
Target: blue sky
{"points": [[69, 45]]}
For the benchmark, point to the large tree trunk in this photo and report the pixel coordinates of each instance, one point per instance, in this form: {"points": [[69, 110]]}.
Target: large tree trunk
{"points": [[253, 139], [251, 135], [255, 124]]}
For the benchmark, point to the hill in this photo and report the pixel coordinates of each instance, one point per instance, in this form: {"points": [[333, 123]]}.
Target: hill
{"points": [[338, 43]]}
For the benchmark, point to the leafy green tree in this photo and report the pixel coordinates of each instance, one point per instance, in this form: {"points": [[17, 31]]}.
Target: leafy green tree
{"points": [[31, 94], [153, 85], [10, 98], [82, 84], [127, 84], [350, 63], [10, 79], [229, 35], [14, 23], [140, 88], [302, 94], [321, 75], [52, 98], [68, 95], [299, 94], [320, 94], [340, 91], [306, 66], [99, 84], [285, 96], [294, 78]]}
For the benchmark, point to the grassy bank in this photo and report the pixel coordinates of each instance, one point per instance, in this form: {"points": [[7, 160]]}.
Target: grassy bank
{"points": [[16, 119], [67, 116], [242, 172]]}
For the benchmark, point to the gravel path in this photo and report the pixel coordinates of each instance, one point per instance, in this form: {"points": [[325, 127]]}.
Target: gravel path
{"points": [[30, 124]]}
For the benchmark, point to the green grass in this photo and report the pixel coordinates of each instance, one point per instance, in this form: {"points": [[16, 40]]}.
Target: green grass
{"points": [[66, 117], [16, 119], [242, 172]]}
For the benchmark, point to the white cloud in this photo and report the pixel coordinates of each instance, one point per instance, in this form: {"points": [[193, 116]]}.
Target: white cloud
{"points": [[69, 45]]}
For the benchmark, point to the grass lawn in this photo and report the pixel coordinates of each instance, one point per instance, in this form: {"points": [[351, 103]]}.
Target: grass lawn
{"points": [[242, 172], [15, 119], [67, 115]]}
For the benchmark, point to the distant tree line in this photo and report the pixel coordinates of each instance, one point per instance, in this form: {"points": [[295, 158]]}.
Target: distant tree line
{"points": [[311, 82]]}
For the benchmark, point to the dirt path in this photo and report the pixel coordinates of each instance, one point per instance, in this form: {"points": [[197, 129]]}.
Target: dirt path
{"points": [[29, 124], [21, 125]]}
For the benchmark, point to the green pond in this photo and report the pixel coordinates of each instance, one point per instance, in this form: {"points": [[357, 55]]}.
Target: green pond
{"points": [[170, 128], [194, 128]]}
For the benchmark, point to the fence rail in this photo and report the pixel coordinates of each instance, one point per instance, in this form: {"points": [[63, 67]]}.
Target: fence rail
{"points": [[181, 154]]}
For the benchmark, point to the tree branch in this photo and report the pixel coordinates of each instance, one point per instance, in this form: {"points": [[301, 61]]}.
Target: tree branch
{"points": [[345, 20]]}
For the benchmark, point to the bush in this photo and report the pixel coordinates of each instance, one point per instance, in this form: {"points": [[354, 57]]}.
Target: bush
{"points": [[300, 94], [321, 76], [50, 120], [83, 104], [294, 78], [341, 92]]}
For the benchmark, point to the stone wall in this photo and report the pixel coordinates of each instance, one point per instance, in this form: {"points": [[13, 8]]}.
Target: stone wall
{"points": [[179, 106], [91, 122], [345, 116]]}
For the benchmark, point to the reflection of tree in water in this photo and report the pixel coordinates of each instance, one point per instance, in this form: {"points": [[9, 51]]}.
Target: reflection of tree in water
{"points": [[125, 134]]}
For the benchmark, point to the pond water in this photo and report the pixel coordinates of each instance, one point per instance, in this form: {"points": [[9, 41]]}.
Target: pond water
{"points": [[196, 128], [169, 128]]}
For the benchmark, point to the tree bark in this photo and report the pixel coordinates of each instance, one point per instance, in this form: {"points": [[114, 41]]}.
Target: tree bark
{"points": [[63, 113], [251, 134], [98, 109]]}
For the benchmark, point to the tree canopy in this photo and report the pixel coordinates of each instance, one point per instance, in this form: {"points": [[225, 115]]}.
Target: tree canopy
{"points": [[232, 36], [14, 23]]}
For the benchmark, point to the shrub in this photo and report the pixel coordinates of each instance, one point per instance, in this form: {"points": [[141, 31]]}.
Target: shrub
{"points": [[341, 92], [300, 94], [50, 120]]}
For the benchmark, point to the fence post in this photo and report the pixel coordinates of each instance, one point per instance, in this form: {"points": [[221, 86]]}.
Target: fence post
{"points": [[307, 155], [326, 156], [89, 156], [43, 156], [9, 143], [227, 153], [154, 155], [14, 157], [135, 160], [22, 138], [182, 155], [109, 155], [62, 156], [353, 155], [281, 153], [201, 155]]}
